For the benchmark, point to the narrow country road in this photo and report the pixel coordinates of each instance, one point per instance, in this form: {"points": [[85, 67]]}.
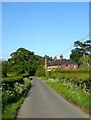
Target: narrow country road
{"points": [[43, 102]]}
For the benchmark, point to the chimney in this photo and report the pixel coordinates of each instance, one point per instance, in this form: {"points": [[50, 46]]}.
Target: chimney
{"points": [[55, 58], [61, 57]]}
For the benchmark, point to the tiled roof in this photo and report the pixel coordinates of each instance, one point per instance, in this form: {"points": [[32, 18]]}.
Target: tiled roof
{"points": [[61, 62]]}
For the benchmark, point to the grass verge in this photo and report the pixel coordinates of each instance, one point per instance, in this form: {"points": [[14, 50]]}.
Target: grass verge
{"points": [[71, 93], [11, 109]]}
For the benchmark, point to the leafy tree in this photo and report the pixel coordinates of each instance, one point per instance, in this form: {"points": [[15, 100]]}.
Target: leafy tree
{"points": [[24, 61], [48, 58], [81, 49], [76, 55], [84, 62]]}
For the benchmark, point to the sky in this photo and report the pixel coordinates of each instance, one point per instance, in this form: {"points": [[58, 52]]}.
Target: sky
{"points": [[45, 28], [0, 30], [45, 0]]}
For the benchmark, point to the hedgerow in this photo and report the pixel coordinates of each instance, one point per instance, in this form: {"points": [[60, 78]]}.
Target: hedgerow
{"points": [[79, 79], [13, 88]]}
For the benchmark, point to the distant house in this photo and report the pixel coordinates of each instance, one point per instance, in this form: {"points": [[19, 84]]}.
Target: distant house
{"points": [[62, 64]]}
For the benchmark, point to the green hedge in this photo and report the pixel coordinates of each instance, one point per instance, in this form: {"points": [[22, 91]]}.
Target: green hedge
{"points": [[12, 79], [13, 88], [76, 74], [77, 78], [25, 75]]}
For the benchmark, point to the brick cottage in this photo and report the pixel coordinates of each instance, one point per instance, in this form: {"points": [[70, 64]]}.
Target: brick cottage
{"points": [[62, 64]]}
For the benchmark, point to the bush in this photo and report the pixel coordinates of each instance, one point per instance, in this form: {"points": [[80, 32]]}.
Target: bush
{"points": [[8, 96], [25, 75], [8, 83], [79, 79], [13, 88], [40, 72]]}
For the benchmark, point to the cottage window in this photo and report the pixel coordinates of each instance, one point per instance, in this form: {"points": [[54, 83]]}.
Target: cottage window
{"points": [[74, 66], [67, 66]]}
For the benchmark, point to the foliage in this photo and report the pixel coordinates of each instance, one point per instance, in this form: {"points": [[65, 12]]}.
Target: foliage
{"points": [[75, 55], [75, 74], [79, 79], [12, 79], [8, 96], [23, 61], [12, 89], [12, 108], [81, 48], [48, 58], [84, 62], [4, 68], [40, 72]]}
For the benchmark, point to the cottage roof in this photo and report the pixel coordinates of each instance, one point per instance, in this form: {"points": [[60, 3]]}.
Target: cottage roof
{"points": [[61, 62]]}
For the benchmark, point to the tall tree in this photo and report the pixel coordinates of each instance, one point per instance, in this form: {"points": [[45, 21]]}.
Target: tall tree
{"points": [[81, 49], [84, 62], [23, 61], [75, 55]]}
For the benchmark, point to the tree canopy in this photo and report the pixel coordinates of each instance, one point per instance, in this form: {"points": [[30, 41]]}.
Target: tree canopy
{"points": [[82, 53], [83, 47], [24, 61]]}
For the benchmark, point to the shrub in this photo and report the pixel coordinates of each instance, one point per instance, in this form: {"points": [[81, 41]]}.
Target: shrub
{"points": [[13, 89]]}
